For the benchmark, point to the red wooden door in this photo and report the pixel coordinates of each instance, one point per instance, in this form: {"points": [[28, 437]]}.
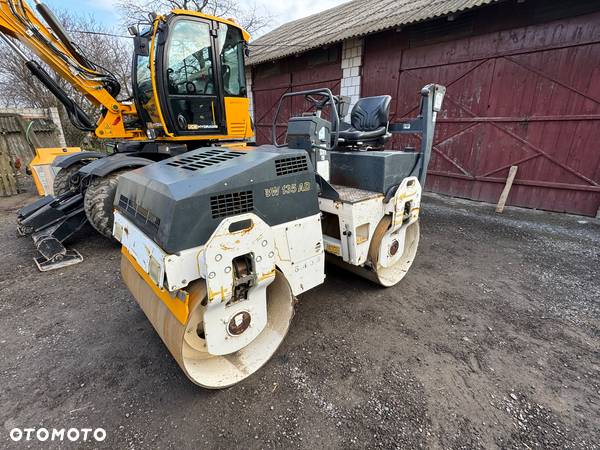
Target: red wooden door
{"points": [[525, 96], [318, 69]]}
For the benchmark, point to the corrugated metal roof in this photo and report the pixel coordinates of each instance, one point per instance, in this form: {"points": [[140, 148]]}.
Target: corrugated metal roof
{"points": [[43, 125], [9, 124], [352, 19]]}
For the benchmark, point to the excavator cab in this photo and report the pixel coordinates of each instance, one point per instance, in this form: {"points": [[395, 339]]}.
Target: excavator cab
{"points": [[189, 78]]}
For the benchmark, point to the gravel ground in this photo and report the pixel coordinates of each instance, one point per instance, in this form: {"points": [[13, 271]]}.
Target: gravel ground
{"points": [[492, 340]]}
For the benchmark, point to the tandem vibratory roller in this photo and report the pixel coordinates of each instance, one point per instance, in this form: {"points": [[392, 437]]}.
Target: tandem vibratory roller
{"points": [[218, 242]]}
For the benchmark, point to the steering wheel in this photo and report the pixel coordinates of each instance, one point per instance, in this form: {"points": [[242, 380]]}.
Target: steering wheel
{"points": [[308, 95], [318, 104]]}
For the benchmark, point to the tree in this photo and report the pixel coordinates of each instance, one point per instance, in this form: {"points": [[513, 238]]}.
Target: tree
{"points": [[251, 18], [18, 88]]}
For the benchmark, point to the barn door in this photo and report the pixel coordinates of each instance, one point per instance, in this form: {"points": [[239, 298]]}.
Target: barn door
{"points": [[528, 97], [317, 69]]}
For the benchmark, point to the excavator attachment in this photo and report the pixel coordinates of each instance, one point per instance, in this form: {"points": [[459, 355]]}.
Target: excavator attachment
{"points": [[50, 221]]}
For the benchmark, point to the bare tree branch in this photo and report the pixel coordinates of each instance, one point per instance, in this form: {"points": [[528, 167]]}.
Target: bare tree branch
{"points": [[249, 17]]}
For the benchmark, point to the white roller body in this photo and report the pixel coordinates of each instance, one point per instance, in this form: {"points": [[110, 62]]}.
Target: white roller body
{"points": [[377, 240], [283, 261]]}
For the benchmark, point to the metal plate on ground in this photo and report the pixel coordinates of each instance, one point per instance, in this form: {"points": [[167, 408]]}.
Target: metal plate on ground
{"points": [[70, 258]]}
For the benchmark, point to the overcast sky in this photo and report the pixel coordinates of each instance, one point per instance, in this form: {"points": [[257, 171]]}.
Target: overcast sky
{"points": [[281, 10]]}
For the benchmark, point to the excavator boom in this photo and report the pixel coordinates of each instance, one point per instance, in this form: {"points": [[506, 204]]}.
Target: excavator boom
{"points": [[50, 42]]}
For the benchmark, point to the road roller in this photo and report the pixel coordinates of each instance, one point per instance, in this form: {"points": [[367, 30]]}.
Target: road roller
{"points": [[218, 243]]}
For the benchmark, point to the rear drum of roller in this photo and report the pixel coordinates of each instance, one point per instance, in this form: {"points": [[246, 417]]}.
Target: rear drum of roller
{"points": [[385, 276], [390, 276]]}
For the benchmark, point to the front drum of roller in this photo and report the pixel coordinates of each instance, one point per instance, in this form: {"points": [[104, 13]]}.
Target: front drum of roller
{"points": [[186, 342]]}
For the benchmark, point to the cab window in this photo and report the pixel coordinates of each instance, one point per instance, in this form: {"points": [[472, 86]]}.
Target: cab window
{"points": [[144, 89], [231, 53], [193, 93]]}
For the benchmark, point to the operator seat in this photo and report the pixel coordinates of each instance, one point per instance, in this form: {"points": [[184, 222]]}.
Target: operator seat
{"points": [[368, 123]]}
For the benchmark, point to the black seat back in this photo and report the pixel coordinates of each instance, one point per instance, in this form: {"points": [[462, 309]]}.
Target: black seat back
{"points": [[370, 113]]}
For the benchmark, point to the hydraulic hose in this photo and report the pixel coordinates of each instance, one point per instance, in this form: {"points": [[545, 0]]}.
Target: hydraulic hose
{"points": [[78, 116], [62, 34]]}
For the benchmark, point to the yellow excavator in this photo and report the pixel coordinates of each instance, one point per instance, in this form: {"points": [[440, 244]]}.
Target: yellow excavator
{"points": [[189, 91]]}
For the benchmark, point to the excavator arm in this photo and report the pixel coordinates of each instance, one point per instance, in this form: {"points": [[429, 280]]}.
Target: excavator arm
{"points": [[50, 42]]}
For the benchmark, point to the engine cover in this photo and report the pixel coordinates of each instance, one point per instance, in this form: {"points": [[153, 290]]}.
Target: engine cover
{"points": [[180, 201]]}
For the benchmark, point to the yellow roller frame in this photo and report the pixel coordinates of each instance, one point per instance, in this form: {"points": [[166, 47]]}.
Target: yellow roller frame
{"points": [[179, 307]]}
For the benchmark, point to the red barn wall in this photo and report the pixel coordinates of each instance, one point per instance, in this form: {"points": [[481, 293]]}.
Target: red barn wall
{"points": [[519, 93], [523, 85], [316, 69]]}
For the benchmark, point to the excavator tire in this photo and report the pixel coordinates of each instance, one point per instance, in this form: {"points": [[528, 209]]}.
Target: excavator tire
{"points": [[98, 202], [62, 179]]}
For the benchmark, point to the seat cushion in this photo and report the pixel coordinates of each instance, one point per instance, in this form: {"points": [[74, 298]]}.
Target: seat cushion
{"points": [[354, 135]]}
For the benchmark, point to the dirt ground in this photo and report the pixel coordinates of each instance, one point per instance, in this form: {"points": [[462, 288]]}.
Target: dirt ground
{"points": [[492, 340]]}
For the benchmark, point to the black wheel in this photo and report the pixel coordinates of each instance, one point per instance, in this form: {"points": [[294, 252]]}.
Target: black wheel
{"points": [[62, 179], [98, 202]]}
